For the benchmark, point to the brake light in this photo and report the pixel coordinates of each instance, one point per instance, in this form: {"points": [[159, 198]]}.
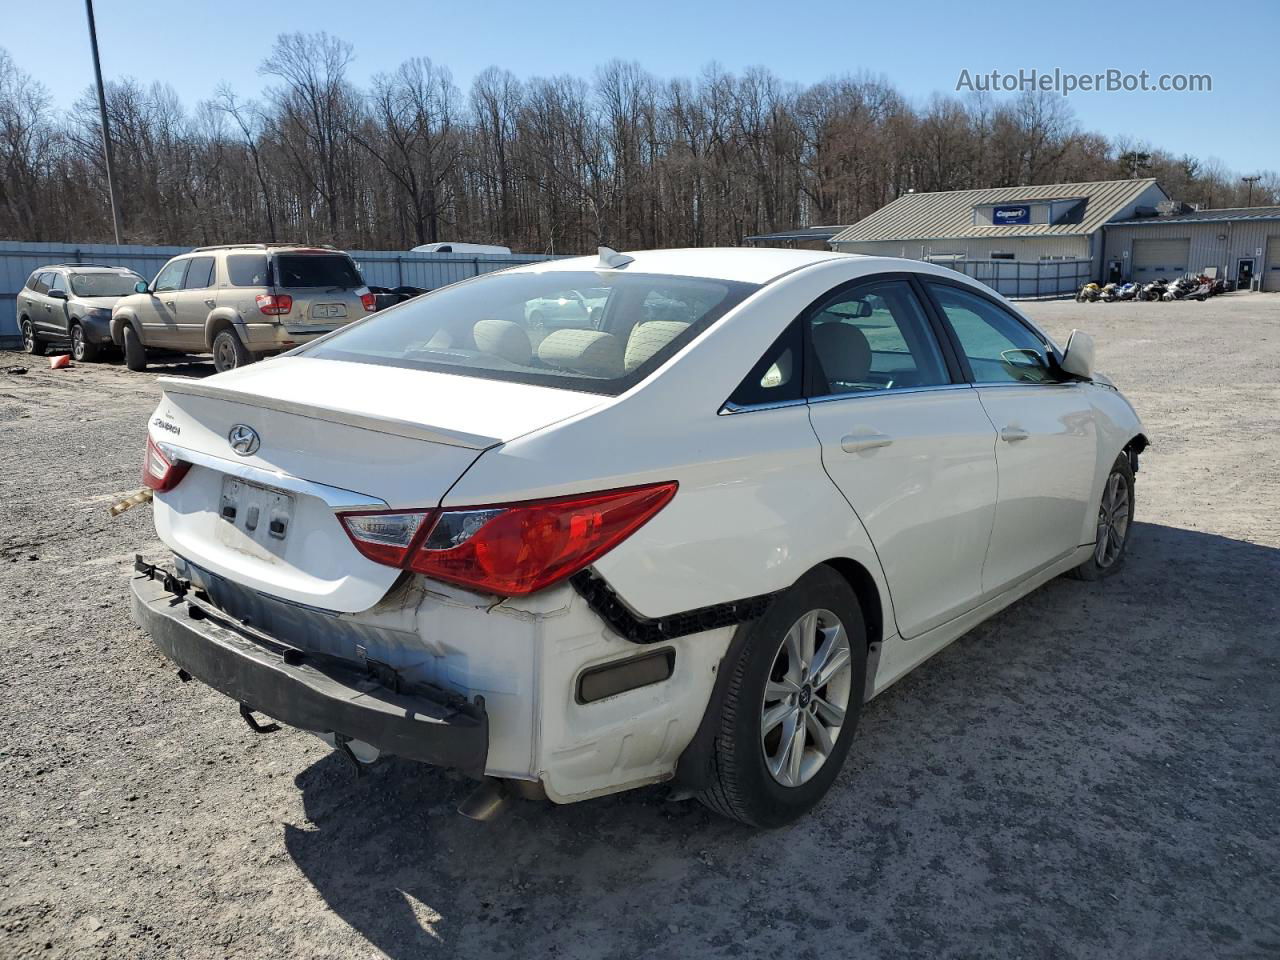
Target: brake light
{"points": [[161, 472], [275, 304], [510, 549], [370, 301], [384, 536]]}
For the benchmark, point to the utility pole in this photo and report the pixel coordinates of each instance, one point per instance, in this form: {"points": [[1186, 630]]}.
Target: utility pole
{"points": [[1251, 181], [106, 131]]}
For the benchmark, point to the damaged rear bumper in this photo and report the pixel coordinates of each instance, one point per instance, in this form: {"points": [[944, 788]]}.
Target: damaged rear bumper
{"points": [[314, 692]]}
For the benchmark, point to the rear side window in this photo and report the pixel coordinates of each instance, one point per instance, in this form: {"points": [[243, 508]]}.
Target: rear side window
{"points": [[247, 269], [874, 337], [40, 282], [777, 376], [199, 274], [316, 270]]}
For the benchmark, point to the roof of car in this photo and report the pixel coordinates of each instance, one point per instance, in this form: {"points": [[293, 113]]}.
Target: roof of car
{"points": [[743, 264], [84, 268]]}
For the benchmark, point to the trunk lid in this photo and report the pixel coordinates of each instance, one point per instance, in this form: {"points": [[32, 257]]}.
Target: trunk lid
{"points": [[326, 436]]}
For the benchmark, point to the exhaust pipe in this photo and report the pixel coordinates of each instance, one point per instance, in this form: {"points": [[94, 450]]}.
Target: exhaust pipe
{"points": [[486, 802]]}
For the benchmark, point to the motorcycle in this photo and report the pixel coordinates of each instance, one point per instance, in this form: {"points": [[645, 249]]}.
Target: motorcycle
{"points": [[1110, 292], [1155, 289], [1127, 292], [1088, 293], [1179, 289]]}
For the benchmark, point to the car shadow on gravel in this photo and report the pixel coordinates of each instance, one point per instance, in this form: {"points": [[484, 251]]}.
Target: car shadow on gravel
{"points": [[619, 875]]}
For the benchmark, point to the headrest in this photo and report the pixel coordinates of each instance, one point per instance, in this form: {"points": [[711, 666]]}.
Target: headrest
{"points": [[504, 339], [648, 338], [592, 352], [843, 351]]}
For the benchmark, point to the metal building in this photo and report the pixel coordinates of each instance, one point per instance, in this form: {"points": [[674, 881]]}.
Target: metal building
{"points": [[1242, 243], [1024, 241]]}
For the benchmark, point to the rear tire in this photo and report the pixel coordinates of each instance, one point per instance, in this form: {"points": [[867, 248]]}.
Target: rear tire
{"points": [[774, 699], [1115, 524], [30, 342], [229, 352], [135, 354], [82, 350]]}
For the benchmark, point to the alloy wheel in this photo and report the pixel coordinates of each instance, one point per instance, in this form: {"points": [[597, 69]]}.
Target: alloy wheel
{"points": [[28, 337], [225, 358], [77, 343], [806, 697], [1113, 520]]}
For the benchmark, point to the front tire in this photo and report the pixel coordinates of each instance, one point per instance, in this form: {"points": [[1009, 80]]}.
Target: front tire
{"points": [[30, 342], [229, 352], [135, 354], [1115, 522], [791, 705], [82, 350]]}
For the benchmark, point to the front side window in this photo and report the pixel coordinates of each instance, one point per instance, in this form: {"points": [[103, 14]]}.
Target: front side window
{"points": [[247, 269], [170, 278], [103, 284], [199, 274], [59, 283], [873, 337], [498, 327], [998, 347]]}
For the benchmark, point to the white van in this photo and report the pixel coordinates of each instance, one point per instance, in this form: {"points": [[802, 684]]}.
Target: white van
{"points": [[447, 247]]}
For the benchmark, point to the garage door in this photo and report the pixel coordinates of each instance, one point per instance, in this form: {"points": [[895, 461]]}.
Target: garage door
{"points": [[1271, 274], [1153, 259]]}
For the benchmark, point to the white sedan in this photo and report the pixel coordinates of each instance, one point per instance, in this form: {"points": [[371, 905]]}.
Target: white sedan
{"points": [[681, 549]]}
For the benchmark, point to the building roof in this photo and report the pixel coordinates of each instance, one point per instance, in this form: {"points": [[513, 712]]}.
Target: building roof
{"points": [[949, 214], [1219, 215]]}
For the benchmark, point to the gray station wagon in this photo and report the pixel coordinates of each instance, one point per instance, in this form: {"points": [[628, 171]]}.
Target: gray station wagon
{"points": [[69, 305]]}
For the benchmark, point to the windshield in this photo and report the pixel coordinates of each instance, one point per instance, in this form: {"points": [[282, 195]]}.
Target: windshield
{"points": [[598, 332], [316, 270], [103, 284]]}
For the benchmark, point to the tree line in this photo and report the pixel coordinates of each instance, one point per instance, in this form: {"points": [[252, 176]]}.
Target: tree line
{"points": [[546, 165]]}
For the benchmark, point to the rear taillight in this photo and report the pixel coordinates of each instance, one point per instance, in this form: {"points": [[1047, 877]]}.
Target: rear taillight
{"points": [[275, 304], [511, 549], [370, 301], [384, 537], [160, 471]]}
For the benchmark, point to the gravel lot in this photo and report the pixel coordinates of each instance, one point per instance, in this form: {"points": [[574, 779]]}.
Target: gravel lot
{"points": [[1093, 773]]}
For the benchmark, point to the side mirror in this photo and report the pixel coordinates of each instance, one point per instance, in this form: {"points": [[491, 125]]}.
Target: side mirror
{"points": [[57, 294], [1077, 358], [864, 309], [140, 287]]}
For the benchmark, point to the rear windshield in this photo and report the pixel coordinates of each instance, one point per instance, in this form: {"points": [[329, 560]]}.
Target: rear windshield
{"points": [[103, 284], [316, 270], [597, 332]]}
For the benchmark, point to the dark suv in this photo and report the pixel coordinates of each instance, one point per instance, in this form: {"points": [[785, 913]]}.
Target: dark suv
{"points": [[69, 305]]}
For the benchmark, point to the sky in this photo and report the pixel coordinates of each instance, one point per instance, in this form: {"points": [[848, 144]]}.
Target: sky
{"points": [[921, 48]]}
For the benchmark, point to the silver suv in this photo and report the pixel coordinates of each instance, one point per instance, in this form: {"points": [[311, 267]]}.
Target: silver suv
{"points": [[70, 304], [240, 303]]}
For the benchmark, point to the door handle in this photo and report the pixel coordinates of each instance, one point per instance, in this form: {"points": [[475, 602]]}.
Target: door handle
{"points": [[210, 302], [169, 303], [861, 442], [1012, 434]]}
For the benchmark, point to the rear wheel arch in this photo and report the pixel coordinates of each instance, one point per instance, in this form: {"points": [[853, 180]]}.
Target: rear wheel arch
{"points": [[216, 323], [868, 592]]}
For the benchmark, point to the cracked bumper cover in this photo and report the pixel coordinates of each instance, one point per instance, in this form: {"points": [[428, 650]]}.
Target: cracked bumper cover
{"points": [[319, 694]]}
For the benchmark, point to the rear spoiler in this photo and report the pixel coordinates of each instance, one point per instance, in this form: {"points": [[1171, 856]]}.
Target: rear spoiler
{"points": [[330, 413]]}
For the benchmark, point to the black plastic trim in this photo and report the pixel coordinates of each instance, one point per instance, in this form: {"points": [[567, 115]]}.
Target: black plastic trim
{"points": [[606, 604]]}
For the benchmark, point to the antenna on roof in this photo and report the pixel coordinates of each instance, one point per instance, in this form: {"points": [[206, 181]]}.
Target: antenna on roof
{"points": [[610, 258]]}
